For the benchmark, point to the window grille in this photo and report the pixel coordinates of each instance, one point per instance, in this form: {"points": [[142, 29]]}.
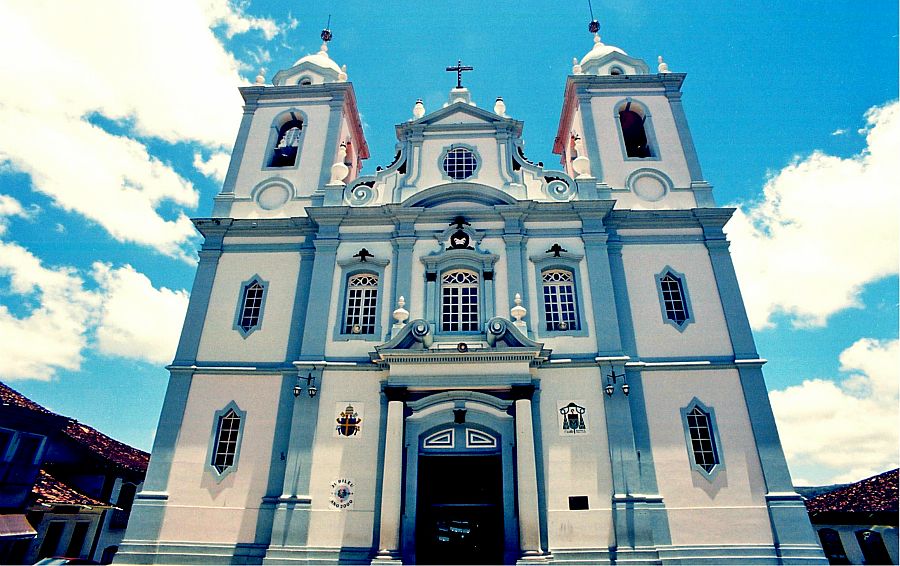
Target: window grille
{"points": [[559, 300], [460, 163], [251, 306], [673, 299], [459, 302], [226, 441], [702, 443], [362, 295]]}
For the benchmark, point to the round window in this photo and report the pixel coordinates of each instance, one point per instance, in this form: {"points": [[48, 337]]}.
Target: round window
{"points": [[460, 163]]}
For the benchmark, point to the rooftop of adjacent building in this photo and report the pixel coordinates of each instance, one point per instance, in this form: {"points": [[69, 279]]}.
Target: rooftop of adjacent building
{"points": [[105, 447], [876, 494], [49, 492]]}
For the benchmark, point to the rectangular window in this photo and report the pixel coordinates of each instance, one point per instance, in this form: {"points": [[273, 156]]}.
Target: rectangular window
{"points": [[560, 310], [226, 441], [362, 297], [459, 302]]}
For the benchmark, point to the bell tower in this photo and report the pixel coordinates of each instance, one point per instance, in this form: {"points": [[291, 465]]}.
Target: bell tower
{"points": [[299, 139], [626, 127]]}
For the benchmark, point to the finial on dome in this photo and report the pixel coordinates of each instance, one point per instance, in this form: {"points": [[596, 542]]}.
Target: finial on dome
{"points": [[500, 107], [260, 78], [597, 38], [663, 67], [418, 109]]}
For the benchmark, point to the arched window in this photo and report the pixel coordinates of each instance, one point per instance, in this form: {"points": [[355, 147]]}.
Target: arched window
{"points": [[634, 135], [362, 297], [459, 301], [287, 144], [560, 306], [872, 546], [833, 547]]}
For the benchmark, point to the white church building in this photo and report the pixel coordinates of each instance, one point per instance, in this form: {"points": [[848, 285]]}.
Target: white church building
{"points": [[467, 357]]}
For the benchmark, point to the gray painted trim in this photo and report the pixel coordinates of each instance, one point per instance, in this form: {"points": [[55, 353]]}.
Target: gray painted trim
{"points": [[682, 284], [664, 180], [315, 329], [280, 120], [590, 135], [242, 301], [603, 302], [714, 431], [301, 303], [198, 305], [237, 152], [213, 441], [336, 106], [684, 133]]}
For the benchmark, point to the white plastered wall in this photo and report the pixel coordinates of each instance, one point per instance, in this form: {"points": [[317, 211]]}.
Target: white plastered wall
{"points": [[575, 465], [304, 178], [487, 172], [196, 500], [666, 145], [339, 457], [730, 509], [220, 342], [708, 334]]}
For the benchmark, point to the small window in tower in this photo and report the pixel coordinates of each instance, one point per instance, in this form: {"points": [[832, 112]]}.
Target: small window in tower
{"points": [[634, 135], [704, 448], [229, 426], [459, 163], [250, 308], [673, 298], [285, 152]]}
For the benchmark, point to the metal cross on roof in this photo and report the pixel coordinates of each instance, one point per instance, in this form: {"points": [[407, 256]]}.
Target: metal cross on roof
{"points": [[459, 68]]}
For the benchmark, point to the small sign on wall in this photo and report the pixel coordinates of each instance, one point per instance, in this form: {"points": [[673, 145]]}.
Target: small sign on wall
{"points": [[573, 418], [348, 419], [342, 493]]}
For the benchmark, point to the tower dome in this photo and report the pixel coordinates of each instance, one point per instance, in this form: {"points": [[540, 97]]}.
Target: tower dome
{"points": [[315, 68], [605, 59]]}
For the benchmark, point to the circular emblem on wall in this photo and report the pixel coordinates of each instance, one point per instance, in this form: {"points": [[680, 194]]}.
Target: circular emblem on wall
{"points": [[272, 194], [342, 493], [649, 184]]}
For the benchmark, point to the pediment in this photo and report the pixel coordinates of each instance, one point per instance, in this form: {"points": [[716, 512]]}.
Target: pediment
{"points": [[461, 113]]}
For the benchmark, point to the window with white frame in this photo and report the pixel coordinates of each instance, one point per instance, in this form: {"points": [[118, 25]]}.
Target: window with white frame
{"points": [[674, 299], [560, 308], [226, 441], [251, 305], [703, 444], [359, 311], [459, 301]]}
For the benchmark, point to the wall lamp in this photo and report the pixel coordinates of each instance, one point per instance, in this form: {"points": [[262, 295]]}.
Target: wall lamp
{"points": [[611, 384], [310, 383]]}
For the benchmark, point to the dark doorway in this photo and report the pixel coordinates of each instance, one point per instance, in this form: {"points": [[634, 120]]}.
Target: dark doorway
{"points": [[459, 515]]}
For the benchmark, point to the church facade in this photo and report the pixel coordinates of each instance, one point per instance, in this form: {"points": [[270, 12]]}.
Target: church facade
{"points": [[467, 357]]}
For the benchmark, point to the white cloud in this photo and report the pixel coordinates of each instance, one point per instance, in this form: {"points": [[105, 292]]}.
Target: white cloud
{"points": [[839, 132], [215, 167], [50, 335], [137, 320], [53, 317], [155, 68], [838, 432], [826, 227], [10, 207]]}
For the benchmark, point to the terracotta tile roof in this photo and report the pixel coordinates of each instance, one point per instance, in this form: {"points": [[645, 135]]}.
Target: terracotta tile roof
{"points": [[9, 396], [110, 449], [871, 495], [50, 491]]}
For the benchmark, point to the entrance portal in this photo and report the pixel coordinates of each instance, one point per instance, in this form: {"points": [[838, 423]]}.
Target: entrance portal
{"points": [[459, 515]]}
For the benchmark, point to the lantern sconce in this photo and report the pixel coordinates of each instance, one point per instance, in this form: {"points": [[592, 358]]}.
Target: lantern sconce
{"points": [[310, 383], [611, 384]]}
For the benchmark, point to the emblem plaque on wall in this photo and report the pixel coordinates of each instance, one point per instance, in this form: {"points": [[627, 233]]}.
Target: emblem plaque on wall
{"points": [[342, 493], [572, 418], [348, 420]]}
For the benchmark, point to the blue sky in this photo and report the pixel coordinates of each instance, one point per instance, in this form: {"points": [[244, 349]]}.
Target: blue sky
{"points": [[116, 119]]}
